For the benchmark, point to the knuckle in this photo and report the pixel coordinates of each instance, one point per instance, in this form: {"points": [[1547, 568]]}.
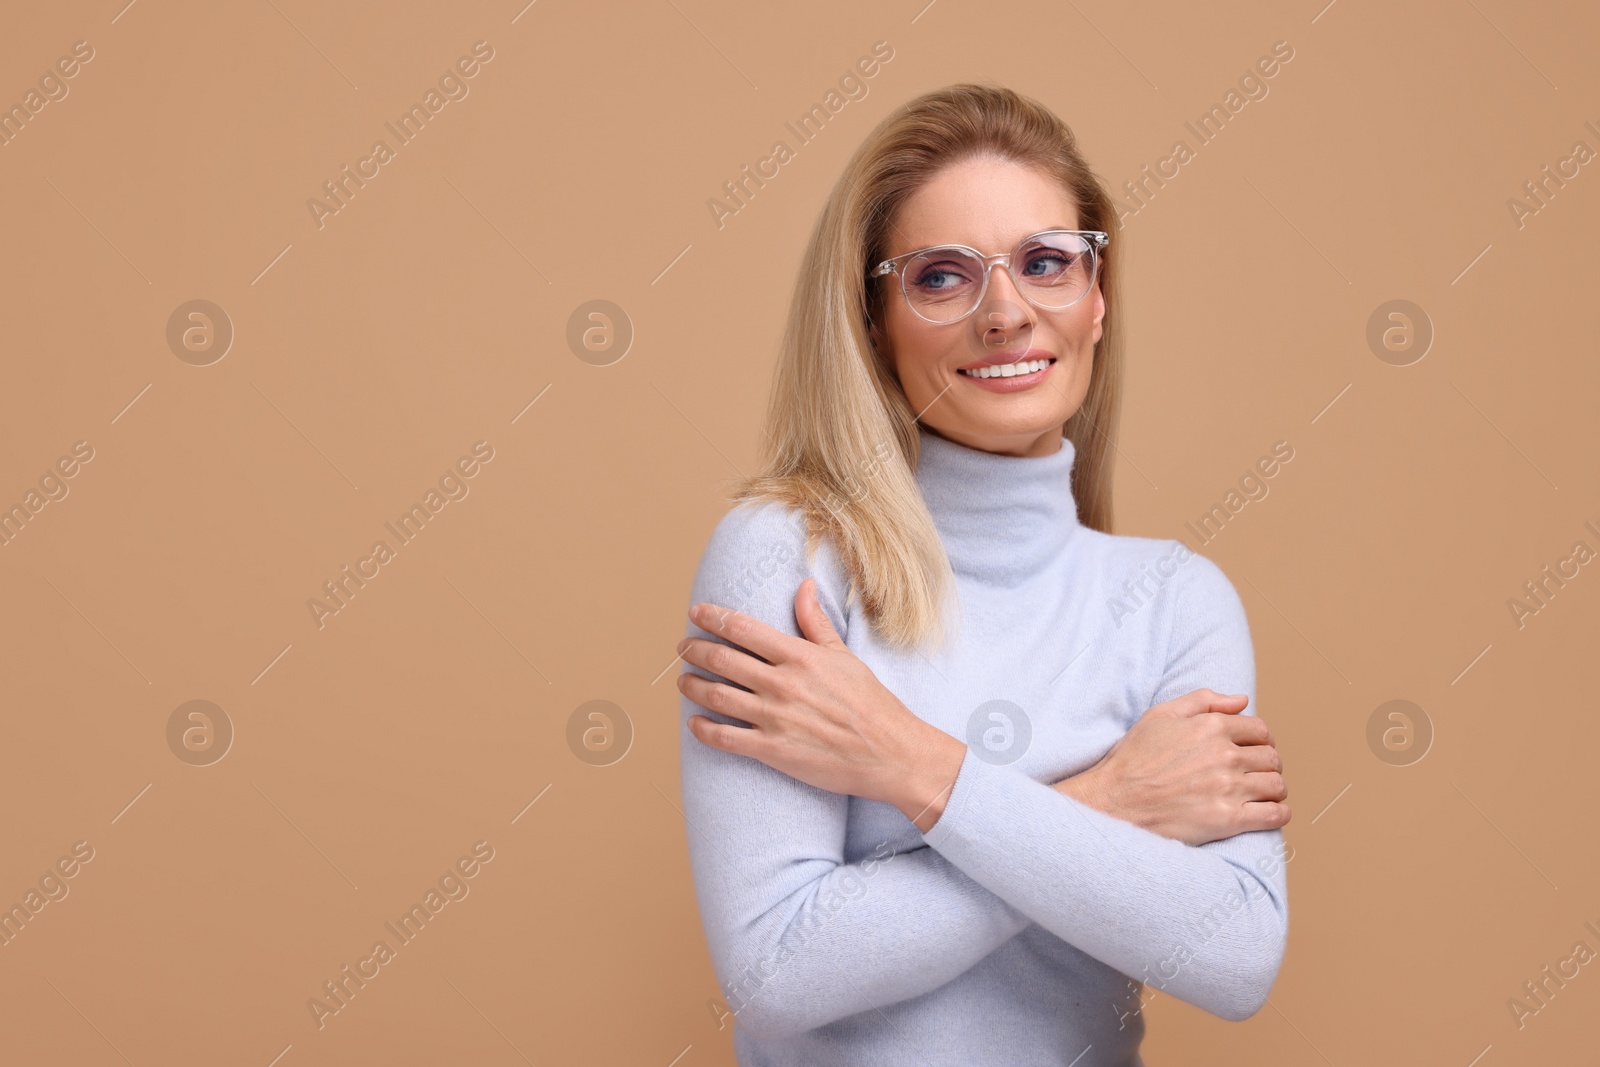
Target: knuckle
{"points": [[718, 658], [724, 737], [783, 686]]}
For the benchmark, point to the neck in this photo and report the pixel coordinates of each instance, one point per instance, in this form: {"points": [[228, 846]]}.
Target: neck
{"points": [[1003, 518], [1040, 445]]}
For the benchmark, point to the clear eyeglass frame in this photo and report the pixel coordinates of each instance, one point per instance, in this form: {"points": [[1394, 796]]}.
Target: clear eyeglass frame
{"points": [[1097, 240]]}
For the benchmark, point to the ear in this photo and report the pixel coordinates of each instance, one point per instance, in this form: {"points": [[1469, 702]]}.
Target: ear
{"points": [[875, 331], [1099, 311]]}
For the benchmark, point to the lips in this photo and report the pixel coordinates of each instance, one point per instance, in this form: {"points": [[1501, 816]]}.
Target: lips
{"points": [[997, 358], [1008, 369]]}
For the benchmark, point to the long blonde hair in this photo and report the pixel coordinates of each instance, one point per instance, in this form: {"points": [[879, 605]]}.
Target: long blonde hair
{"points": [[841, 439]]}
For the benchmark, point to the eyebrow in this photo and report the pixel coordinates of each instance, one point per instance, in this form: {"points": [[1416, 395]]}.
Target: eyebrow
{"points": [[1019, 240]]}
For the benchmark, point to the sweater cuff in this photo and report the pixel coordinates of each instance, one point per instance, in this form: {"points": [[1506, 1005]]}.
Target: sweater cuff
{"points": [[966, 784]]}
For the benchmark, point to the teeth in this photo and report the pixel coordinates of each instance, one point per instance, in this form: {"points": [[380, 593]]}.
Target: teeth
{"points": [[1009, 370]]}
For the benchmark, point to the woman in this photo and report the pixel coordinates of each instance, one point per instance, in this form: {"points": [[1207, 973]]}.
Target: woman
{"points": [[959, 771]]}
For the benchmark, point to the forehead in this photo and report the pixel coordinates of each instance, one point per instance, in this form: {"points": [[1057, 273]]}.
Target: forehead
{"points": [[988, 204]]}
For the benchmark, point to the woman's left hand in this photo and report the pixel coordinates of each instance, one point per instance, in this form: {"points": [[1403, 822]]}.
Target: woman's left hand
{"points": [[820, 714]]}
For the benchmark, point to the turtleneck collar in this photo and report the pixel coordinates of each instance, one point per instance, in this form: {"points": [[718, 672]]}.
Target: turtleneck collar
{"points": [[1002, 518]]}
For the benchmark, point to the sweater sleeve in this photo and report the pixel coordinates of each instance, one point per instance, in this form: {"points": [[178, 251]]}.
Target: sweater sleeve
{"points": [[1208, 923], [798, 937]]}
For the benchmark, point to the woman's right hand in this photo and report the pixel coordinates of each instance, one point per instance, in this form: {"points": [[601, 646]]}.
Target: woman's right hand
{"points": [[1192, 769]]}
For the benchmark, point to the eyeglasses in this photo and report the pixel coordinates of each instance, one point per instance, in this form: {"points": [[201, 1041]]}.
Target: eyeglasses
{"points": [[946, 283]]}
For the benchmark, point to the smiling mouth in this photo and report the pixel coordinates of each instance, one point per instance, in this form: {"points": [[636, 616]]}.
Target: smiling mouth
{"points": [[1008, 370]]}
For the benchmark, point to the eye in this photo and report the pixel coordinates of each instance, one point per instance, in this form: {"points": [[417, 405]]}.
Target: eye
{"points": [[1049, 262], [942, 276]]}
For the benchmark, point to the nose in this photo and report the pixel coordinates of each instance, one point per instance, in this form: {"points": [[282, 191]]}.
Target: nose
{"points": [[1002, 305]]}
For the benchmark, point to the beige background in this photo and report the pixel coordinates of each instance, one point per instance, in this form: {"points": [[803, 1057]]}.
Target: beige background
{"points": [[433, 308]]}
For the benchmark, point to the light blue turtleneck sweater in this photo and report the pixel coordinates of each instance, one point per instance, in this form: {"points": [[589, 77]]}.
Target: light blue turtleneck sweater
{"points": [[1025, 927]]}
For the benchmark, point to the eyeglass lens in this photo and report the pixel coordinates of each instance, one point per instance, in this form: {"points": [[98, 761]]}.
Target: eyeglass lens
{"points": [[1053, 270]]}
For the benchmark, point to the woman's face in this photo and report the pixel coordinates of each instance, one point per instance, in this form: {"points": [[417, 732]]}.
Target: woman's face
{"points": [[990, 205]]}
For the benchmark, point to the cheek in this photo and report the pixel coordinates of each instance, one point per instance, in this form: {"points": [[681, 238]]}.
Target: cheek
{"points": [[1079, 324], [915, 357]]}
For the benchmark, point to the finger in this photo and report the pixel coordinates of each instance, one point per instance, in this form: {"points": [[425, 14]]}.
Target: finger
{"points": [[1264, 814], [1266, 785], [728, 661], [713, 734], [721, 698], [1252, 758], [746, 631], [1248, 730], [1203, 700], [814, 622]]}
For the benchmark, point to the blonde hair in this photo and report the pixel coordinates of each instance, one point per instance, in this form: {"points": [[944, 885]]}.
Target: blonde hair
{"points": [[841, 438]]}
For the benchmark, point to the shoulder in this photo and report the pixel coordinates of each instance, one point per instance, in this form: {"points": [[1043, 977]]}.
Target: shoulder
{"points": [[754, 542], [1206, 593], [757, 526], [1184, 592], [1155, 563], [1165, 559], [755, 559], [1208, 638], [1186, 609]]}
